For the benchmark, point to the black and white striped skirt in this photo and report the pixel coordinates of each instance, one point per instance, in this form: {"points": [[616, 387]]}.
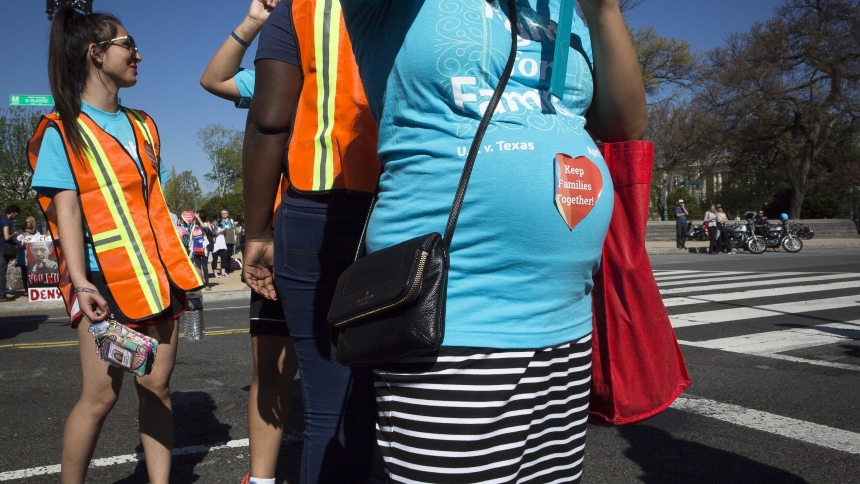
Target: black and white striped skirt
{"points": [[470, 415]]}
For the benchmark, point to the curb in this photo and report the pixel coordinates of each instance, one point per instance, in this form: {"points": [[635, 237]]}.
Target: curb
{"points": [[227, 295]]}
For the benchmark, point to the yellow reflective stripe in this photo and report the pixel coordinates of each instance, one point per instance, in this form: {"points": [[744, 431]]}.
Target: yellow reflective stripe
{"points": [[141, 123], [109, 240], [327, 15], [143, 269]]}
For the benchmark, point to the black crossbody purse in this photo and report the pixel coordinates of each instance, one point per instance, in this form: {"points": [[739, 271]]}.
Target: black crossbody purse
{"points": [[390, 304]]}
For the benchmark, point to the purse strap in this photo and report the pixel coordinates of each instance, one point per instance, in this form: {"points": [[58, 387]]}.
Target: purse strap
{"points": [[482, 128], [473, 151]]}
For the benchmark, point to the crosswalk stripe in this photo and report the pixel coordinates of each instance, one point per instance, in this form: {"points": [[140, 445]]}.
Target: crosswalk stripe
{"points": [[776, 281], [758, 293], [812, 433], [743, 277], [785, 340], [696, 274], [763, 311]]}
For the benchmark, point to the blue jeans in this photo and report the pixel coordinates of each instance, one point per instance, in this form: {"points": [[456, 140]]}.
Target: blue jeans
{"points": [[313, 245]]}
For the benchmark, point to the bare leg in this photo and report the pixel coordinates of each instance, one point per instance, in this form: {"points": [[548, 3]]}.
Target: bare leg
{"points": [[101, 384], [275, 368], [155, 412]]}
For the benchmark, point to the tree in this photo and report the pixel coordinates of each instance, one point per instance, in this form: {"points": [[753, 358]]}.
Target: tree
{"points": [[17, 125], [665, 62], [182, 192], [223, 147], [789, 85]]}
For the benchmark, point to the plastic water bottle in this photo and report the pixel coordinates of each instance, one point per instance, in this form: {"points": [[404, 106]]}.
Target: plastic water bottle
{"points": [[192, 320]]}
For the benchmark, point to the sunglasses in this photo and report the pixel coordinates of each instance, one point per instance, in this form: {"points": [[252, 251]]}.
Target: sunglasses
{"points": [[128, 44]]}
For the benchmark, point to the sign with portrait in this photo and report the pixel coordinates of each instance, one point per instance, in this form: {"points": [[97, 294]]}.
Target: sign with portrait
{"points": [[43, 271]]}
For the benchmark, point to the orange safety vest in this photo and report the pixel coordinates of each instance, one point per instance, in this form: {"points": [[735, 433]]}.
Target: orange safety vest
{"points": [[138, 250], [333, 121]]}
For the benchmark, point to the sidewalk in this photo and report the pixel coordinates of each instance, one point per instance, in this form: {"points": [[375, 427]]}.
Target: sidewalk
{"points": [[221, 288], [693, 247]]}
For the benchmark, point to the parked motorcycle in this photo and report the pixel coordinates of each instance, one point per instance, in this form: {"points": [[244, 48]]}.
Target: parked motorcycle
{"points": [[779, 235], [743, 236], [799, 230], [697, 232]]}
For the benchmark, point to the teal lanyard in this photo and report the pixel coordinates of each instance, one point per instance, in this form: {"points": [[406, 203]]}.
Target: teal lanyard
{"points": [[562, 48]]}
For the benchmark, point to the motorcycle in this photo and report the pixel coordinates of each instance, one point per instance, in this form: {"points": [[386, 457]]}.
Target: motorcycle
{"points": [[697, 232], [743, 236], [799, 230], [782, 235]]}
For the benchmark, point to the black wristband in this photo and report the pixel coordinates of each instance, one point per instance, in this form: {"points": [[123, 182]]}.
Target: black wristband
{"points": [[240, 40]]}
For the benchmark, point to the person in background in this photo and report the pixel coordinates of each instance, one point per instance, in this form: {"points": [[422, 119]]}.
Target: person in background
{"points": [[21, 261], [219, 248], [716, 245], [761, 224], [9, 215], [229, 230], [681, 215], [722, 226], [87, 157], [505, 399]]}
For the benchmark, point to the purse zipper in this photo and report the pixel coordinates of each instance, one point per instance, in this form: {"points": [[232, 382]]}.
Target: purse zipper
{"points": [[415, 284]]}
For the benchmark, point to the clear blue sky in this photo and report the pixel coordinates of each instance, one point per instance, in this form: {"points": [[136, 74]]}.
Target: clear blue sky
{"points": [[177, 38]]}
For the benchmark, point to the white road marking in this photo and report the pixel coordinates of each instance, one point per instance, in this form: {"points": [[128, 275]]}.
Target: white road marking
{"points": [[776, 281], [753, 312], [822, 435], [786, 340], [759, 293], [696, 274], [120, 459], [744, 277]]}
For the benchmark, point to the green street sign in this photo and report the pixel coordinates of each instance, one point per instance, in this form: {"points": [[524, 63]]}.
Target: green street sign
{"points": [[35, 100], [30, 100]]}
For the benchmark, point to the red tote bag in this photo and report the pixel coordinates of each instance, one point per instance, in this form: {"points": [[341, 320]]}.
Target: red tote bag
{"points": [[638, 369]]}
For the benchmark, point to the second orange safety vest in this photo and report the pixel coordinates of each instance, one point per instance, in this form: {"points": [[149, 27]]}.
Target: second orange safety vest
{"points": [[136, 246], [334, 141]]}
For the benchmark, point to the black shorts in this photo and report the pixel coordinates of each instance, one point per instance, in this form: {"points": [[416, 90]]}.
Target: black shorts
{"points": [[267, 317], [173, 311]]}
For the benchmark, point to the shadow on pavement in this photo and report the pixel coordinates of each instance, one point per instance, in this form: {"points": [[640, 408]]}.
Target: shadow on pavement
{"points": [[195, 424], [665, 459], [12, 326]]}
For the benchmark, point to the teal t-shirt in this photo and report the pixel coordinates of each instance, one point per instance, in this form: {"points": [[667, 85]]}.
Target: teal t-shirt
{"points": [[53, 172], [531, 229], [244, 80]]}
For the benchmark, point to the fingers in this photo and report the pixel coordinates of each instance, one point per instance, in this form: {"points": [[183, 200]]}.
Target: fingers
{"points": [[261, 282], [94, 307]]}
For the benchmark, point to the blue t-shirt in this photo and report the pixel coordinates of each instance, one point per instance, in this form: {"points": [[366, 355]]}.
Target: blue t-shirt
{"points": [[520, 276], [244, 80], [53, 172], [680, 217]]}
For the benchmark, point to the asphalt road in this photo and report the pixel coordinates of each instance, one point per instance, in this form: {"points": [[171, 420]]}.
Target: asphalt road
{"points": [[775, 398]]}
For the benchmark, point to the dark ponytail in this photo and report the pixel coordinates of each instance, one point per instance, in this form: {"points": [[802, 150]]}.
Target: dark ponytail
{"points": [[68, 67]]}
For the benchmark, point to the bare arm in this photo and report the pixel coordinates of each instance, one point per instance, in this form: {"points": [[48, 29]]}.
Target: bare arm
{"points": [[618, 111], [218, 76], [266, 135], [72, 237]]}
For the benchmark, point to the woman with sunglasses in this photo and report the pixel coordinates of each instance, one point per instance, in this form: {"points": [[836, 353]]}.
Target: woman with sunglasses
{"points": [[98, 174]]}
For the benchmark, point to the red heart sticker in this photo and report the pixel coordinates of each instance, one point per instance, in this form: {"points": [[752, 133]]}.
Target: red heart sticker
{"points": [[578, 184]]}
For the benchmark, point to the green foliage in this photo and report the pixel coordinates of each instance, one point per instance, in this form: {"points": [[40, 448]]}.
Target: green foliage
{"points": [[182, 192], [691, 203], [664, 61], [223, 147], [232, 202], [17, 125]]}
